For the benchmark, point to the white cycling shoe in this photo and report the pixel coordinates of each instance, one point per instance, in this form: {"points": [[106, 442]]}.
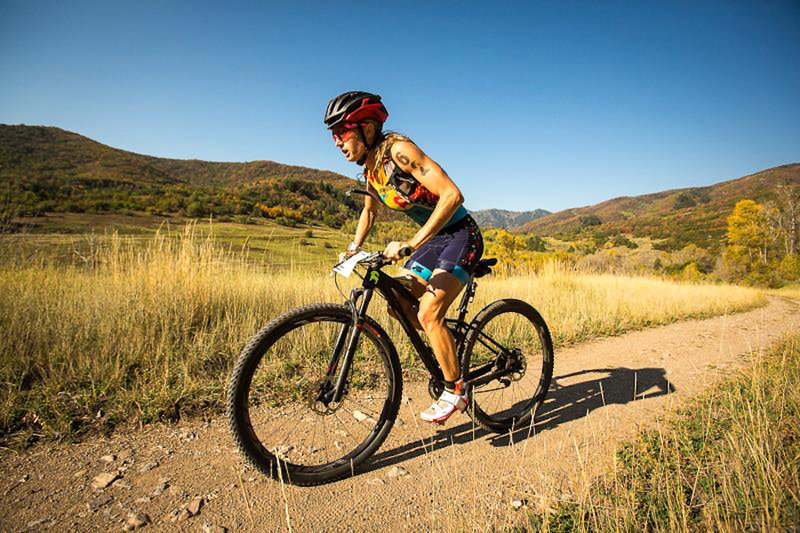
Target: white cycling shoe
{"points": [[447, 404]]}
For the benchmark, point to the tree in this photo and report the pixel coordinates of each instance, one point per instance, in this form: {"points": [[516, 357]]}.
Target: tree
{"points": [[534, 243], [788, 207], [509, 244], [789, 268], [8, 211], [195, 210], [747, 227]]}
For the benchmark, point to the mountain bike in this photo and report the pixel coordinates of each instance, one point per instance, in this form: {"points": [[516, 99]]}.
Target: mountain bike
{"points": [[315, 393]]}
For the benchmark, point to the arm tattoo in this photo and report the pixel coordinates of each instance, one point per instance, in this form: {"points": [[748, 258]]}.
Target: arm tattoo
{"points": [[404, 160]]}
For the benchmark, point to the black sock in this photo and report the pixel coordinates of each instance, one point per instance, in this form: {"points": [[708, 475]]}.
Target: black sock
{"points": [[451, 386]]}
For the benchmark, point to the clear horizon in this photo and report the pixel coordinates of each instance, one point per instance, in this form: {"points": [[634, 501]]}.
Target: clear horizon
{"points": [[527, 105]]}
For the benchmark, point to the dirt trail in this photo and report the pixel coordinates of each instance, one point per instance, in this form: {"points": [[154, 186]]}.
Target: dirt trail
{"points": [[458, 477]]}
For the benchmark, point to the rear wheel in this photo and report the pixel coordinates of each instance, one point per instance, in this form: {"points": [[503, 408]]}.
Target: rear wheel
{"points": [[278, 411], [511, 338]]}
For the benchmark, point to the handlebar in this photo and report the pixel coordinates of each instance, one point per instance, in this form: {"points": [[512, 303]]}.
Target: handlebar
{"points": [[378, 260]]}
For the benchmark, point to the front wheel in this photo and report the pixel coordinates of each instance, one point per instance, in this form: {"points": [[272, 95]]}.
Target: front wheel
{"points": [[279, 397], [510, 340]]}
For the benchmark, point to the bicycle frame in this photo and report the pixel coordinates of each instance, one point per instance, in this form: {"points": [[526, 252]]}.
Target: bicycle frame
{"points": [[394, 292]]}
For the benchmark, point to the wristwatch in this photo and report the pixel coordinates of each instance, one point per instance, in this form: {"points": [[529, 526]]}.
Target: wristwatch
{"points": [[353, 247]]}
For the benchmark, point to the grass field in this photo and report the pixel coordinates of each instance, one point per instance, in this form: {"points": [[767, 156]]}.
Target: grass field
{"points": [[70, 238], [789, 291], [146, 326], [728, 462]]}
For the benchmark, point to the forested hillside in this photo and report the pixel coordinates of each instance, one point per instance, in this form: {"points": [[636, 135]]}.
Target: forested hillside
{"points": [[681, 216], [45, 169]]}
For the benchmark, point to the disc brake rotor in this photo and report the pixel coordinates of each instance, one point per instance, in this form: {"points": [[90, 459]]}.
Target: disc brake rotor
{"points": [[520, 365], [319, 407]]}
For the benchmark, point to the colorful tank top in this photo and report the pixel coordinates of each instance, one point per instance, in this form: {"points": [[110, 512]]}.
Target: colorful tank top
{"points": [[401, 191]]}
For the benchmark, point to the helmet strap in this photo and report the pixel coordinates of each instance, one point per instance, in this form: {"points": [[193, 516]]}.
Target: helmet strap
{"points": [[368, 147], [378, 138]]}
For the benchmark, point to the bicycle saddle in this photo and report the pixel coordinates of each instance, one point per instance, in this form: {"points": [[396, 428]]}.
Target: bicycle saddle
{"points": [[483, 267]]}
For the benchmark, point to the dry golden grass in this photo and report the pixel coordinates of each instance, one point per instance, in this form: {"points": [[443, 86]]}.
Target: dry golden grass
{"points": [[790, 291], [580, 306], [139, 332]]}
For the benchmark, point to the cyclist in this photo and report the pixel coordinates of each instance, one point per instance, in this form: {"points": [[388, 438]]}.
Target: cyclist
{"points": [[446, 248]]}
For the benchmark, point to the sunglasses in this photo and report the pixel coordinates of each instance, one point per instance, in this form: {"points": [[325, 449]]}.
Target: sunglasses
{"points": [[345, 131]]}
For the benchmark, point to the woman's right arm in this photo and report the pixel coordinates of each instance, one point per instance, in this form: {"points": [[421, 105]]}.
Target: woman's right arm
{"points": [[367, 218]]}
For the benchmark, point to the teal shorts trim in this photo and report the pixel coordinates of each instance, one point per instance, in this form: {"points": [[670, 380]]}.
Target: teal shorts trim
{"points": [[461, 274], [426, 273], [420, 270]]}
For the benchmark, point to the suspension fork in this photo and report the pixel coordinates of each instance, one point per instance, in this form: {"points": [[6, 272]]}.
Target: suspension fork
{"points": [[344, 369]]}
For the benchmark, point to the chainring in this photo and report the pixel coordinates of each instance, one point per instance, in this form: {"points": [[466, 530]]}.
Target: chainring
{"points": [[435, 388]]}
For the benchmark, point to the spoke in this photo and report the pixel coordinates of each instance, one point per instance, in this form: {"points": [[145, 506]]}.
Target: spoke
{"points": [[325, 439], [347, 430], [366, 410], [286, 419]]}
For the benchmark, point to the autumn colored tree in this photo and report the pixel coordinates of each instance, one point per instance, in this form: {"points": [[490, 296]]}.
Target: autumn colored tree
{"points": [[509, 244], [748, 229]]}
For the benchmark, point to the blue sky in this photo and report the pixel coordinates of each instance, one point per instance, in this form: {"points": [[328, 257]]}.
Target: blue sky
{"points": [[525, 104]]}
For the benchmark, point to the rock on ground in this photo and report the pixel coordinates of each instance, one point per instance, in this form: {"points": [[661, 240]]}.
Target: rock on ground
{"points": [[136, 520], [103, 480]]}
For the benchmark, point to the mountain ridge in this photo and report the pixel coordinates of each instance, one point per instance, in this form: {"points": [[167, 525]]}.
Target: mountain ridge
{"points": [[20, 143], [503, 218], [48, 169], [683, 215]]}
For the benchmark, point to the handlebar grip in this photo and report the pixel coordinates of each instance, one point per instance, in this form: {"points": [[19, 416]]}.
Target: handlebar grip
{"points": [[405, 251]]}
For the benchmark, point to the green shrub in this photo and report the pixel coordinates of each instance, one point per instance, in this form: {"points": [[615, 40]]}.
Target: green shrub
{"points": [[621, 240], [590, 220], [789, 267], [243, 219], [534, 243], [195, 210], [763, 275], [683, 201]]}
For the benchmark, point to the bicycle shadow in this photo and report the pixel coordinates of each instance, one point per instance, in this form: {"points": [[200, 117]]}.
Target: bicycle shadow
{"points": [[564, 403]]}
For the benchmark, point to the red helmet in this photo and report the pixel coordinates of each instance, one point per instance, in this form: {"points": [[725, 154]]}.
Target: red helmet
{"points": [[355, 106]]}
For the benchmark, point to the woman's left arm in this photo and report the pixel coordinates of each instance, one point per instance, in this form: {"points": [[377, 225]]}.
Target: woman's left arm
{"points": [[411, 159]]}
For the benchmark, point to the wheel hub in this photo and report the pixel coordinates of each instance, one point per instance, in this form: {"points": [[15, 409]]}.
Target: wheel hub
{"points": [[315, 398], [519, 365]]}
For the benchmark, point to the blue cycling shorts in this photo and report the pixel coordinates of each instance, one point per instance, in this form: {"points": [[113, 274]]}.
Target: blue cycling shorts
{"points": [[457, 248]]}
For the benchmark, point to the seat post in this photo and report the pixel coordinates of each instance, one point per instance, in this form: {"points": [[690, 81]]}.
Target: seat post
{"points": [[466, 298]]}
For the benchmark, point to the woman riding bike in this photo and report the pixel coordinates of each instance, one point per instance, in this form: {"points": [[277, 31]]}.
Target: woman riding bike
{"points": [[446, 248]]}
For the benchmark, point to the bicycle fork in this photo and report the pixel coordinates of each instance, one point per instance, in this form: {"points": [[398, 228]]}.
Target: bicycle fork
{"points": [[334, 394]]}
